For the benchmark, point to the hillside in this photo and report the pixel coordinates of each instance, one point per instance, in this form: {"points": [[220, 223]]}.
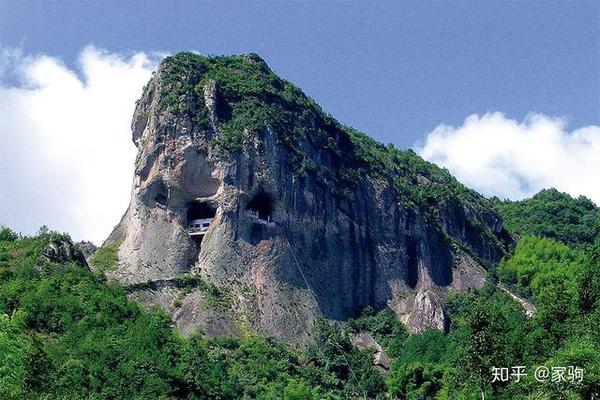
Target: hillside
{"points": [[65, 332], [552, 214]]}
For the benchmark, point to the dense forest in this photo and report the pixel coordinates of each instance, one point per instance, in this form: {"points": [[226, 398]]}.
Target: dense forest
{"points": [[65, 332], [552, 214]]}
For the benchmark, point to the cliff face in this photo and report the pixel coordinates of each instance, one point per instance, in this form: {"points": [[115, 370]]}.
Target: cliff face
{"points": [[309, 218]]}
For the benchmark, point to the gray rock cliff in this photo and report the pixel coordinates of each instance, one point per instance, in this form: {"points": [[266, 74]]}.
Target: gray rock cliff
{"points": [[307, 218]]}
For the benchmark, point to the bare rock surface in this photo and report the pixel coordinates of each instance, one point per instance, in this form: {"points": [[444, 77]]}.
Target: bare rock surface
{"points": [[364, 340]]}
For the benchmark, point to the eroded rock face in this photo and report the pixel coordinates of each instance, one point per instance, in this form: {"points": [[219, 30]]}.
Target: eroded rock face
{"points": [[289, 240]]}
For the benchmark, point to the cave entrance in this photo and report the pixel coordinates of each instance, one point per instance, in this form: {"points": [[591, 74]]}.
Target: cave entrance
{"points": [[199, 217], [260, 206]]}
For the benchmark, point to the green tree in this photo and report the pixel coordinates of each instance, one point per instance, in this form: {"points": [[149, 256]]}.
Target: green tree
{"points": [[415, 381], [552, 214], [13, 369], [588, 280]]}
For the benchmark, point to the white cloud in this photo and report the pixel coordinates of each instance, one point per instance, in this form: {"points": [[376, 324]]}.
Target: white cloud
{"points": [[509, 159], [66, 155]]}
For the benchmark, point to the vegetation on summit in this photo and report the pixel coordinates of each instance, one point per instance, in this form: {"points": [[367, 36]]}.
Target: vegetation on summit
{"points": [[552, 214]]}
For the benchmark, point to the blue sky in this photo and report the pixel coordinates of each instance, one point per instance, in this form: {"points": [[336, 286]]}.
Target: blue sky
{"points": [[505, 94], [392, 69]]}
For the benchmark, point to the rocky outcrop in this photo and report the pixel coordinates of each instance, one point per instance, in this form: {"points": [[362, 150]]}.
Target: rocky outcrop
{"points": [[86, 248], [308, 218], [364, 340], [528, 307], [63, 251]]}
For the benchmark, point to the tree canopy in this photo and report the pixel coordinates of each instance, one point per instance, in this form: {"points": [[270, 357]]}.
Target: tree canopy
{"points": [[552, 214], [65, 332]]}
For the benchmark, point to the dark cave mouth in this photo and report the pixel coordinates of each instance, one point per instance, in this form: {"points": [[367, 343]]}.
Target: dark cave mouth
{"points": [[260, 206]]}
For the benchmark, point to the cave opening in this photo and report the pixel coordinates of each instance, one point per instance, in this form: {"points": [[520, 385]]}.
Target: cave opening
{"points": [[157, 192], [199, 217], [161, 199], [260, 206]]}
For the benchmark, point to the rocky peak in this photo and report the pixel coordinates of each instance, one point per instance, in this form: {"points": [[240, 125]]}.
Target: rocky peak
{"points": [[305, 217]]}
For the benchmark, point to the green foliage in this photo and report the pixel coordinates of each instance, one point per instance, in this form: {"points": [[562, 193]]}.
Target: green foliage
{"points": [[415, 381], [428, 347], [561, 281], [485, 341], [252, 98], [489, 329], [536, 261], [13, 369], [563, 332], [552, 214], [84, 336], [348, 369], [67, 333], [384, 326], [6, 235], [106, 257], [588, 281]]}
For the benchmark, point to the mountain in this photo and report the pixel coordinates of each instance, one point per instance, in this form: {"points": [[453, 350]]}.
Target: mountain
{"points": [[552, 214], [399, 231], [252, 209]]}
